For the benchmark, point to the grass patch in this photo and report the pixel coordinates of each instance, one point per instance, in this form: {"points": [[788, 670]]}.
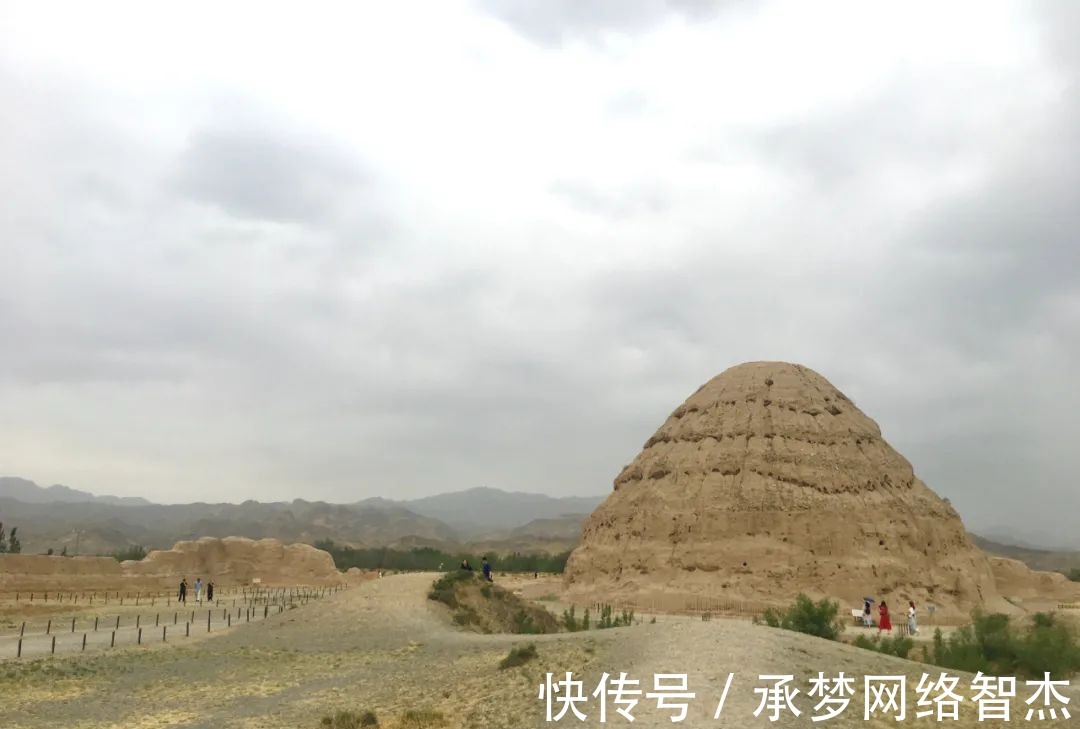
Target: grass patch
{"points": [[350, 720], [519, 656], [608, 618], [422, 719], [899, 646]]}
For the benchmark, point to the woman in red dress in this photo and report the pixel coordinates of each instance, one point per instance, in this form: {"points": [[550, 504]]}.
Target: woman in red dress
{"points": [[883, 618]]}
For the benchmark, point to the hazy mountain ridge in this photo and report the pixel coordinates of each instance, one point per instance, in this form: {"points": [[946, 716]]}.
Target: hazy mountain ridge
{"points": [[88, 524], [1040, 559], [29, 492]]}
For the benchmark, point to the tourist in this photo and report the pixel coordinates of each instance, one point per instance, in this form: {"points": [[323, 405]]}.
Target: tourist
{"points": [[884, 623], [183, 591], [912, 622], [868, 621], [465, 565], [486, 566], [198, 590], [210, 591]]}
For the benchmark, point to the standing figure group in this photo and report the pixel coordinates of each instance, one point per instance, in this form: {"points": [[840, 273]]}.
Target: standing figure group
{"points": [[182, 595], [885, 621]]}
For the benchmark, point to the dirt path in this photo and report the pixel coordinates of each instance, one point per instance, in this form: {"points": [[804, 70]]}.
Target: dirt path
{"points": [[380, 646], [383, 646]]}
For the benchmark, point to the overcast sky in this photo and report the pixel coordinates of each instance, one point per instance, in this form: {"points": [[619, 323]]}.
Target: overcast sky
{"points": [[357, 249]]}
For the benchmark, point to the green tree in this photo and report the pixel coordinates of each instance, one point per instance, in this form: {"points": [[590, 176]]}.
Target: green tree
{"points": [[14, 546], [3, 542]]}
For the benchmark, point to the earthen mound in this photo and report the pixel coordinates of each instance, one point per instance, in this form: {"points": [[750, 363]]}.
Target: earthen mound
{"points": [[768, 481], [236, 560], [228, 561]]}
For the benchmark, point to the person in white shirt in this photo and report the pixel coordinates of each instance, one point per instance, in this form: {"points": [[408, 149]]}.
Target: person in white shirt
{"points": [[912, 623]]}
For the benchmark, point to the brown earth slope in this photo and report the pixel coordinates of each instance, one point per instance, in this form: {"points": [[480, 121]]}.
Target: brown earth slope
{"points": [[769, 481]]}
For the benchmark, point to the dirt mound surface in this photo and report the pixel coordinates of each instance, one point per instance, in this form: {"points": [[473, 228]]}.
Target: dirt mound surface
{"points": [[769, 481], [235, 560], [487, 608]]}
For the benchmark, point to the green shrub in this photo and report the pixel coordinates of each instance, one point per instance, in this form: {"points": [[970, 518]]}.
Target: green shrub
{"points": [[443, 590], [135, 551], [772, 617], [519, 656], [806, 616], [1074, 574], [994, 645], [428, 559]]}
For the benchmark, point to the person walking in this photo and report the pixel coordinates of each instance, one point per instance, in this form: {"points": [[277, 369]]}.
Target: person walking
{"points": [[210, 591], [486, 566], [198, 590], [867, 619], [884, 623], [912, 621], [182, 597]]}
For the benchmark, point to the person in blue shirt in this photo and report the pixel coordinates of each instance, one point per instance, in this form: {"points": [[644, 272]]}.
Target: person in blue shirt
{"points": [[487, 569]]}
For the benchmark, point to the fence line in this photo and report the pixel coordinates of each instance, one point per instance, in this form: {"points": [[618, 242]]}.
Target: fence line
{"points": [[165, 624], [141, 597], [707, 607]]}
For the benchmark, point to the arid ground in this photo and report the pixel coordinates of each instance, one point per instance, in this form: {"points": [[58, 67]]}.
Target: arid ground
{"points": [[384, 647]]}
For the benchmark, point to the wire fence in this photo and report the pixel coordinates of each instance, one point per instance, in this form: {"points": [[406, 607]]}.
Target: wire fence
{"points": [[51, 636]]}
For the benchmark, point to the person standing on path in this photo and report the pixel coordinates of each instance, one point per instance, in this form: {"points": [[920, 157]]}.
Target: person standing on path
{"points": [[884, 623], [198, 590], [912, 621], [487, 568], [182, 597], [210, 591]]}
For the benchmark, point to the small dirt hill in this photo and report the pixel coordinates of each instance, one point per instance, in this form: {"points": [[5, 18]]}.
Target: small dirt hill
{"points": [[769, 481], [487, 608]]}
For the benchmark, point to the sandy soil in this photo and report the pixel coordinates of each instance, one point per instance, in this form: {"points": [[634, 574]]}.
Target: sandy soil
{"points": [[383, 646]]}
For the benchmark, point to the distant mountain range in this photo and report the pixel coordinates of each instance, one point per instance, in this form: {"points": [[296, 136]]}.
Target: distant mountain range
{"points": [[30, 493], [483, 519], [498, 521], [1040, 559]]}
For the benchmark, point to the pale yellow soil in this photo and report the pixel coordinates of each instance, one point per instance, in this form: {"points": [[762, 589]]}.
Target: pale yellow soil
{"points": [[383, 646]]}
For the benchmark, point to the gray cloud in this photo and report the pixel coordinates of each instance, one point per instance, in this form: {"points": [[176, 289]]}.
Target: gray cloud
{"points": [[552, 23], [174, 340], [261, 173]]}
